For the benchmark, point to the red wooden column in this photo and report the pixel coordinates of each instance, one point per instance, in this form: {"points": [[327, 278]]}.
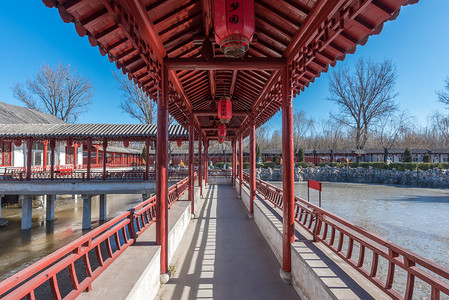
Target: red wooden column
{"points": [[147, 159], [200, 164], [252, 165], [30, 153], [75, 150], [234, 162], [45, 155], [162, 173], [288, 180], [52, 159], [96, 159], [105, 157], [89, 156], [191, 166], [206, 160], [241, 165]]}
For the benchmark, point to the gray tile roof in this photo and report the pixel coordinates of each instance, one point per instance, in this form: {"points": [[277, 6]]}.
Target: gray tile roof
{"points": [[12, 114], [96, 131]]}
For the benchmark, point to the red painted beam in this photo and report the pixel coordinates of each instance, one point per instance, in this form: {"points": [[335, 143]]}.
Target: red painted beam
{"points": [[319, 13], [253, 63], [145, 23], [235, 73], [206, 113]]}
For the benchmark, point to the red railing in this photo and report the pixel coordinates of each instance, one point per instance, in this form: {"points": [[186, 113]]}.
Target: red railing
{"points": [[81, 175], [176, 190], [352, 243], [80, 262]]}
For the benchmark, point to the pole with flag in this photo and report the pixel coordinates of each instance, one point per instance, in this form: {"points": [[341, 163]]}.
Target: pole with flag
{"points": [[388, 160], [182, 164], [259, 160]]}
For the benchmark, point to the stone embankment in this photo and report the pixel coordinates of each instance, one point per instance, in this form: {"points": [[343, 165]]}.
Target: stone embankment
{"points": [[438, 178]]}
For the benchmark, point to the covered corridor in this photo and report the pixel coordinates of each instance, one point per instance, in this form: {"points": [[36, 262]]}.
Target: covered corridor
{"points": [[223, 255]]}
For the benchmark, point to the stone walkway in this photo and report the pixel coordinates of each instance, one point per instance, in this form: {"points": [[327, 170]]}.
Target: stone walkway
{"points": [[223, 255]]}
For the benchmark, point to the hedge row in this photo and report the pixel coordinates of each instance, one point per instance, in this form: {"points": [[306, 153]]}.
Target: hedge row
{"points": [[385, 166]]}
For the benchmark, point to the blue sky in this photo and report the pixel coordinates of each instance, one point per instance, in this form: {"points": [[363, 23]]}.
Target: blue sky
{"points": [[417, 42]]}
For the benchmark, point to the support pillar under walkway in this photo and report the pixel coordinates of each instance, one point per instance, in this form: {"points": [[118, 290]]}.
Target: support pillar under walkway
{"points": [[223, 255]]}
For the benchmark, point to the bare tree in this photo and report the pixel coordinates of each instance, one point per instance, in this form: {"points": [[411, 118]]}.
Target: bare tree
{"points": [[390, 129], [363, 96], [135, 101], [443, 96], [302, 126], [59, 91], [440, 122], [332, 135], [276, 140], [262, 136]]}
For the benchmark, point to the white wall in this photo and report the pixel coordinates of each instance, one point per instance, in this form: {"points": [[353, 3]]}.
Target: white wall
{"points": [[18, 157]]}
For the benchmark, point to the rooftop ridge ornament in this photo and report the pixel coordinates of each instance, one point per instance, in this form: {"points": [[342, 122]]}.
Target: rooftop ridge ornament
{"points": [[234, 26]]}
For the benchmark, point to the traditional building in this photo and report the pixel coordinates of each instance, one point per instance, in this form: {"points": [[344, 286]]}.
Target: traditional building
{"points": [[21, 127]]}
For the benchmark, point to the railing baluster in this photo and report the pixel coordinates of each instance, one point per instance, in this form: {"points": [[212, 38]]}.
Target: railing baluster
{"points": [[340, 241], [391, 268], [374, 265], [73, 277], [325, 231], [87, 265], [361, 256], [332, 240], [350, 247], [30, 296], [435, 294], [108, 247], [99, 256], [410, 279], [54, 287]]}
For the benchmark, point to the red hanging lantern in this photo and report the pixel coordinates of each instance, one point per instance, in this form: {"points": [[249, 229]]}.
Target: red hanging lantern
{"points": [[234, 26], [222, 130], [18, 143], [126, 143], [69, 142], [179, 142], [220, 139], [224, 110]]}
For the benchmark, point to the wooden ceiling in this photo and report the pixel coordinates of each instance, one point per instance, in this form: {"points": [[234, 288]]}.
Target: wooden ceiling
{"points": [[309, 35]]}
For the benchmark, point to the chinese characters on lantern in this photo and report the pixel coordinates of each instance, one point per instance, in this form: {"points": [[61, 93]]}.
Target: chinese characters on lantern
{"points": [[235, 12]]}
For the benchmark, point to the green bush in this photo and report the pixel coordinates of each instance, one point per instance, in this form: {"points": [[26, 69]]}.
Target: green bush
{"points": [[259, 165], [302, 164], [407, 155], [426, 158], [269, 164], [301, 155], [219, 165], [245, 165], [385, 166]]}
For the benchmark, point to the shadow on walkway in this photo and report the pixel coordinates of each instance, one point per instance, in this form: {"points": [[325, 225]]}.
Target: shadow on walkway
{"points": [[223, 255]]}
